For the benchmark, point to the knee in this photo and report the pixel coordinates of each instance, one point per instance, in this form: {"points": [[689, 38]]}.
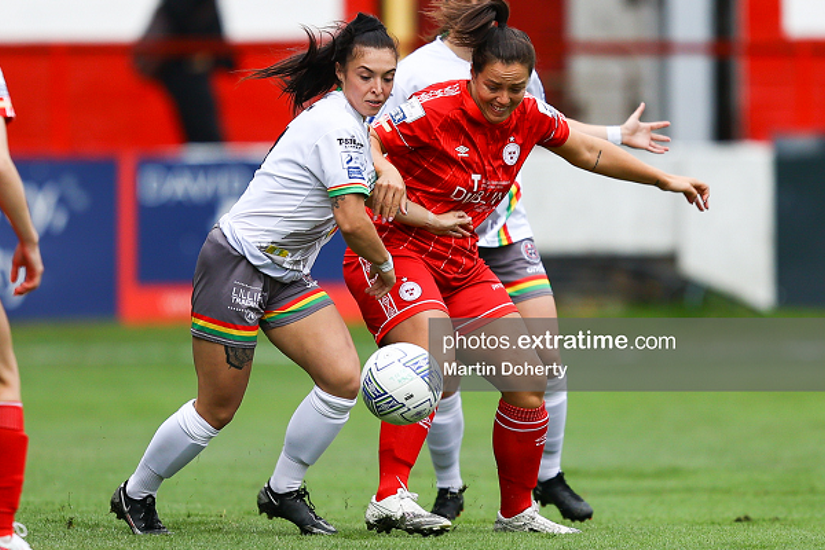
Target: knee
{"points": [[345, 382], [349, 387], [9, 384], [218, 416], [524, 399], [345, 387]]}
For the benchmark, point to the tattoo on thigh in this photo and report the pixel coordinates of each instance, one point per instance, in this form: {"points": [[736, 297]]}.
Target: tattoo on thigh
{"points": [[238, 358]]}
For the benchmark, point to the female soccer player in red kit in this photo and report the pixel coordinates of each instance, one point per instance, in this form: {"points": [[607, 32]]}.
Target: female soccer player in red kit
{"points": [[459, 146], [506, 244], [13, 438]]}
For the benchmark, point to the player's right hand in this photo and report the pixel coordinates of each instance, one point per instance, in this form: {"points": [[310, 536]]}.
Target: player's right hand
{"points": [[451, 224], [28, 257], [389, 195]]}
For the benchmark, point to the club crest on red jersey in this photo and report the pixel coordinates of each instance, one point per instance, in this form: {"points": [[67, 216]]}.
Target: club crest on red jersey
{"points": [[511, 152]]}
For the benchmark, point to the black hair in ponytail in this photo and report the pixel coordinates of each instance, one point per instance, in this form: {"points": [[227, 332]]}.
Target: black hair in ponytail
{"points": [[483, 28], [305, 76]]}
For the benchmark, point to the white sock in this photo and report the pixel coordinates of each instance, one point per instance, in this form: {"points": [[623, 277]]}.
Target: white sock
{"points": [[556, 404], [312, 428], [176, 442], [444, 442]]}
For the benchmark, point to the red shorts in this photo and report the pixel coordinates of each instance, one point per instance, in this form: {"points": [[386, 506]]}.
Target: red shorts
{"points": [[476, 294]]}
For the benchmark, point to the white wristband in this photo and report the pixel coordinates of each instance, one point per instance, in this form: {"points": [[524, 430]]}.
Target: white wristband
{"points": [[614, 134], [386, 266]]}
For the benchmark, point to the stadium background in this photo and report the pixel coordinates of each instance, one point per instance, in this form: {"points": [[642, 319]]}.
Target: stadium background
{"points": [[123, 205]]}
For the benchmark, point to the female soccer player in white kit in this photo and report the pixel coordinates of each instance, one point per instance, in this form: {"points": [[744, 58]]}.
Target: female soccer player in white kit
{"points": [[253, 273], [506, 244]]}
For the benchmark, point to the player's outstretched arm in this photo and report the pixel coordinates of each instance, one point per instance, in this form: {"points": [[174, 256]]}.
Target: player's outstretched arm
{"points": [[14, 206], [602, 157], [633, 132]]}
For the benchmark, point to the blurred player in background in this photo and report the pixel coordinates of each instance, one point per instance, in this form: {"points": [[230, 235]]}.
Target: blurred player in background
{"points": [[192, 34], [253, 273], [13, 438], [506, 244], [460, 145]]}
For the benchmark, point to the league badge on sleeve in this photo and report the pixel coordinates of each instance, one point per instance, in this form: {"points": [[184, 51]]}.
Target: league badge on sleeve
{"points": [[355, 163], [408, 112]]}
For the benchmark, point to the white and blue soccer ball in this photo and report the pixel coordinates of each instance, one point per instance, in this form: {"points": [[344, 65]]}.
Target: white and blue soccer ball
{"points": [[401, 383]]}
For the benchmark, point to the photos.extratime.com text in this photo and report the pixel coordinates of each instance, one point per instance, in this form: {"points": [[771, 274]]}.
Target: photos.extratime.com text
{"points": [[582, 340]]}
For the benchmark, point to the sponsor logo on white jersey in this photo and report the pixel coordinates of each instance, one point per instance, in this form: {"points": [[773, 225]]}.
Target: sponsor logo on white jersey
{"points": [[350, 143]]}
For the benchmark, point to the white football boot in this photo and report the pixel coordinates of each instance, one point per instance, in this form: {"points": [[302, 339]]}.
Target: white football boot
{"points": [[401, 511], [531, 521], [15, 540]]}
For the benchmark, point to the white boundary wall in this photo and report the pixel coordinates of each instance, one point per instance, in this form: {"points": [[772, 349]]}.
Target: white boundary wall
{"points": [[125, 20], [730, 248]]}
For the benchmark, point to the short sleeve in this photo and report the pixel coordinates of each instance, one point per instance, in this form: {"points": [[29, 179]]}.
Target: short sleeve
{"points": [[6, 108], [405, 127], [345, 162], [551, 124]]}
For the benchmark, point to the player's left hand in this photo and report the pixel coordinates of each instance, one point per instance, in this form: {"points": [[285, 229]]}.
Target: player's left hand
{"points": [[640, 135], [695, 191]]}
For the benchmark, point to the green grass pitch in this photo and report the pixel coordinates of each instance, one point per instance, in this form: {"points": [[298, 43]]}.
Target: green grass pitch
{"points": [[662, 470]]}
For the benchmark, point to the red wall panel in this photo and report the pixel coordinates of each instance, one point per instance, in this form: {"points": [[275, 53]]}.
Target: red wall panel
{"points": [[782, 88], [87, 98]]}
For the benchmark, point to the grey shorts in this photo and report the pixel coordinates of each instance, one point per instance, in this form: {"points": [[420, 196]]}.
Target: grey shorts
{"points": [[231, 299], [518, 266]]}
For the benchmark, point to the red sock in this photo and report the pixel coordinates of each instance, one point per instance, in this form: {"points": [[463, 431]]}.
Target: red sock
{"points": [[398, 449], [518, 441], [13, 444]]}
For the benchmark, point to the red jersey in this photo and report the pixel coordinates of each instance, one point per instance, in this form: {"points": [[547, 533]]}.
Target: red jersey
{"points": [[6, 109], [451, 158]]}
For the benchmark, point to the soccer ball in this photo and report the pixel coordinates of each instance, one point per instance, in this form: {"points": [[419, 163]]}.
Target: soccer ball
{"points": [[401, 383]]}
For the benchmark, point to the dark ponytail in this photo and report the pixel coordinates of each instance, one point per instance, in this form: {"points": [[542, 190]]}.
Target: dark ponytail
{"points": [[483, 28], [305, 76]]}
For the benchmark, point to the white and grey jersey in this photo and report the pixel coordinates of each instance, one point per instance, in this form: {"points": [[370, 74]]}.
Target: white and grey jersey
{"points": [[285, 215]]}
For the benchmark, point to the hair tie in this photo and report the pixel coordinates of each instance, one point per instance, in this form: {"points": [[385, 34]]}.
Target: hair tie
{"points": [[364, 23]]}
